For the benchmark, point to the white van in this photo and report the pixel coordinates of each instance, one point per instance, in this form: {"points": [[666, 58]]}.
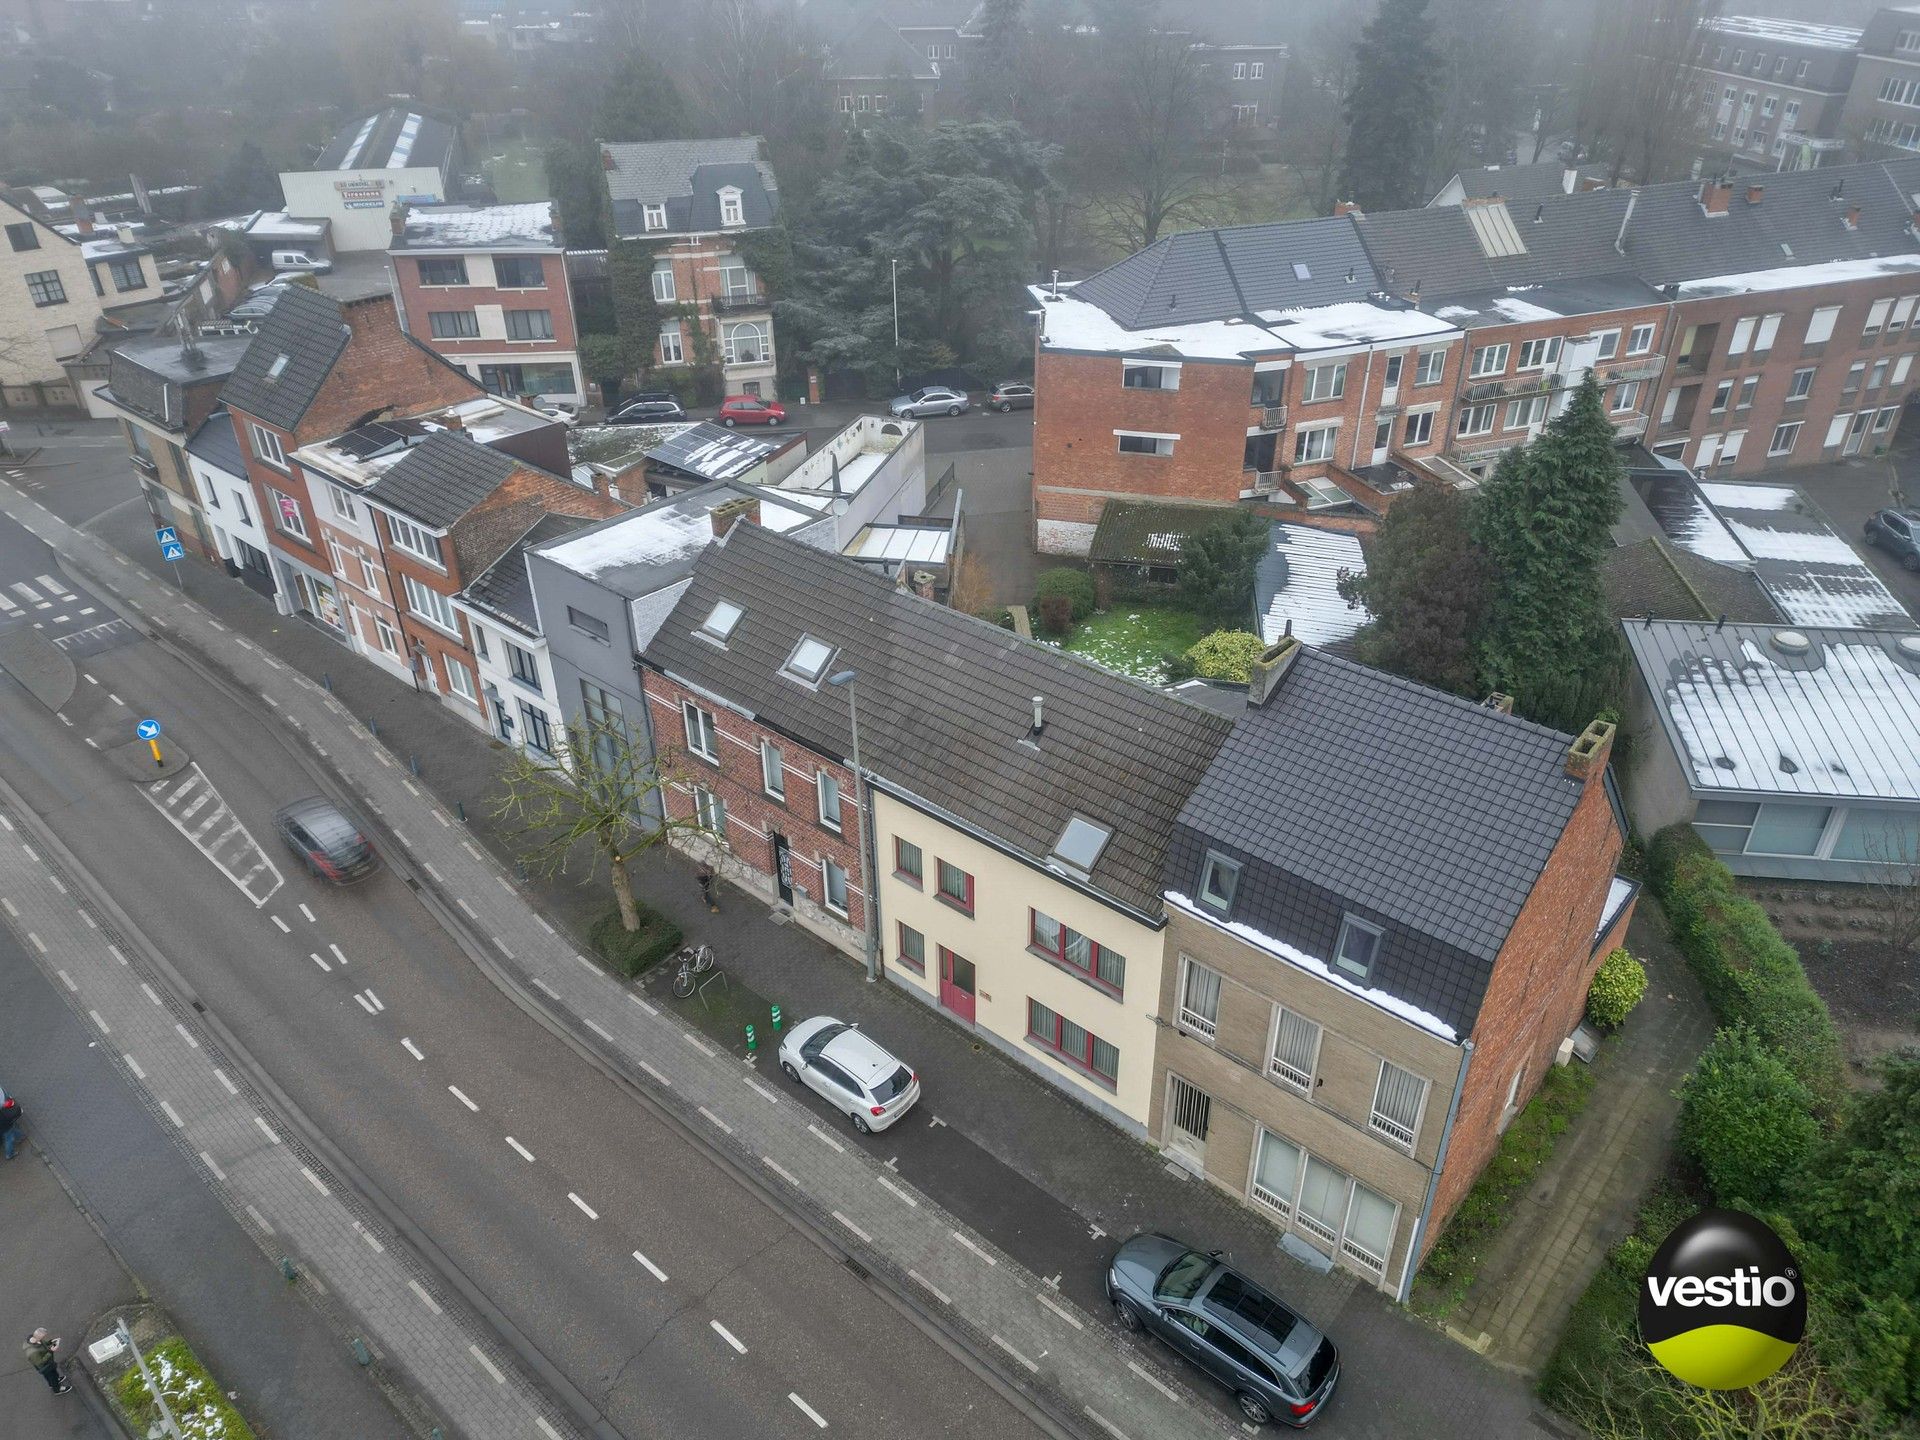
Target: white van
{"points": [[300, 260]]}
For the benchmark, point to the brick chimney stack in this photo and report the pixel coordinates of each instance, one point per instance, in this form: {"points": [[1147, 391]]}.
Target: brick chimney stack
{"points": [[1500, 704], [607, 162], [1347, 207], [1587, 756], [1853, 217], [1754, 192], [1715, 196], [1270, 667], [82, 218], [398, 218], [741, 507]]}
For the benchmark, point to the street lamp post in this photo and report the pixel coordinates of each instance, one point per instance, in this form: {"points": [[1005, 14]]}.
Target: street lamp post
{"points": [[895, 264], [860, 796]]}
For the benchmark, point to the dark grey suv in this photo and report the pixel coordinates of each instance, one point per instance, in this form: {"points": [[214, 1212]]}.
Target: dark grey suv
{"points": [[1898, 533], [1277, 1365]]}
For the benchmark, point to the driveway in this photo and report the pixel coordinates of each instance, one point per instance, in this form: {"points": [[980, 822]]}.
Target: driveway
{"points": [[1848, 491]]}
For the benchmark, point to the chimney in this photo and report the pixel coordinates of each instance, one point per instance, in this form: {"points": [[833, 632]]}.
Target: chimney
{"points": [[1620, 239], [452, 422], [1540, 212], [124, 234], [1274, 662], [1476, 202], [1347, 207], [923, 584], [607, 161], [1039, 714], [82, 217], [1853, 217], [741, 507], [1587, 756], [1715, 196], [1754, 192], [1569, 180], [1499, 703], [397, 218]]}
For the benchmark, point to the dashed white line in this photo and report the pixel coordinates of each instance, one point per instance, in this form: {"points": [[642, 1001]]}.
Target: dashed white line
{"points": [[98, 1021], [411, 1048], [438, 878], [337, 955], [315, 1181], [545, 989], [67, 980], [584, 962], [285, 929], [411, 788], [116, 699], [143, 985], [488, 1365], [808, 1410], [402, 839], [697, 1043], [218, 1173], [467, 845], [377, 1003], [826, 1139], [232, 1089], [461, 901], [1035, 1369], [443, 819], [90, 679], [652, 1269], [38, 943], [57, 885], [114, 950], [503, 883], [929, 1287], [266, 1130], [657, 1076], [727, 1335], [270, 700], [641, 1003], [321, 963], [6, 824], [173, 1115], [599, 1030], [546, 1429], [716, 1120], [376, 1246], [134, 1065], [780, 1170], [1104, 1423], [888, 1184], [1153, 1380], [540, 920], [520, 1150], [461, 1096], [763, 1090], [92, 924], [1058, 1310], [365, 1004], [585, 1209], [10, 909], [502, 945], [306, 912], [865, 1238], [974, 1248], [186, 1035], [425, 1299]]}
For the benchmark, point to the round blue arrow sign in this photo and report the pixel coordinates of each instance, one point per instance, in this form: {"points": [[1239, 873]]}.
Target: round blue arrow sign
{"points": [[148, 729]]}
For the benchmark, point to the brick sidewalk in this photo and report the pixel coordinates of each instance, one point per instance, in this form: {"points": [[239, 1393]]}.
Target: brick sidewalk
{"points": [[1419, 1379]]}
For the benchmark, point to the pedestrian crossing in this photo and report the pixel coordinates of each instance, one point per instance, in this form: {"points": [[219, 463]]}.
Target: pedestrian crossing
{"points": [[194, 807], [74, 620]]}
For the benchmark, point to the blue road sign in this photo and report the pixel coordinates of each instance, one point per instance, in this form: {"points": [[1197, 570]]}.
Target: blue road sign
{"points": [[167, 535], [148, 729], [172, 550]]}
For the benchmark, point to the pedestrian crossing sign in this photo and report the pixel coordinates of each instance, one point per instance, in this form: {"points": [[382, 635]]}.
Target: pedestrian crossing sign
{"points": [[172, 550], [167, 535]]}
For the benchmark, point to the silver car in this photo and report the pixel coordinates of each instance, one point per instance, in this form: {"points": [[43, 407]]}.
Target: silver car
{"points": [[855, 1075], [931, 400]]}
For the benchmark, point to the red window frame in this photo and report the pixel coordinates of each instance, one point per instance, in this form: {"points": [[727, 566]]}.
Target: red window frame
{"points": [[1089, 972], [963, 905], [915, 878], [918, 967], [1053, 1046]]}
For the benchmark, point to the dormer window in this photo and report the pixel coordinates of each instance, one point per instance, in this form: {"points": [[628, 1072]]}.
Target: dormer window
{"points": [[731, 211], [1358, 946], [1080, 844], [1219, 878], [808, 661], [653, 217], [720, 622]]}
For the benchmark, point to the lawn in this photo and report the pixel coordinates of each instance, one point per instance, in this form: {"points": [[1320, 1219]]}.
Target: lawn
{"points": [[1133, 638], [518, 173]]}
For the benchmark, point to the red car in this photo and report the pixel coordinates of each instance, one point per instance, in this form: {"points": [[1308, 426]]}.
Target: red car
{"points": [[750, 410]]}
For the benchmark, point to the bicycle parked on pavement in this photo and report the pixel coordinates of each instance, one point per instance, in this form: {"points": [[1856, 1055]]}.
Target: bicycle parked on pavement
{"points": [[695, 960]]}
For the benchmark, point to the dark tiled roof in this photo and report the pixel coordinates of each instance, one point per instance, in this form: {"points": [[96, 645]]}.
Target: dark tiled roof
{"points": [[1138, 532], [1518, 184], [868, 51], [399, 138], [946, 705], [504, 589], [686, 176], [441, 479], [215, 443], [1418, 805], [1215, 274], [309, 330]]}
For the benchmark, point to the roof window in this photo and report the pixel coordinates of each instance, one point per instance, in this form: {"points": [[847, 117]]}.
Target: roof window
{"points": [[277, 368], [1300, 271], [809, 660], [721, 621], [1081, 843]]}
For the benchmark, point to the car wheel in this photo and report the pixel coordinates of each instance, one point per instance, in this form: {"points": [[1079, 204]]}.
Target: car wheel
{"points": [[1253, 1407], [953, 410], [791, 1073], [772, 420], [1871, 530], [727, 420], [1003, 407], [860, 1123], [1127, 1317], [1910, 561]]}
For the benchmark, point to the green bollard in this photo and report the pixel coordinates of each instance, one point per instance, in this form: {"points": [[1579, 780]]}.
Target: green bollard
{"points": [[776, 1019], [753, 1042]]}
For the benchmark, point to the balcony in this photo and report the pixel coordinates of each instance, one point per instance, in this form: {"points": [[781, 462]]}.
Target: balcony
{"points": [[737, 302], [1261, 482], [1270, 417], [1640, 367], [144, 465]]}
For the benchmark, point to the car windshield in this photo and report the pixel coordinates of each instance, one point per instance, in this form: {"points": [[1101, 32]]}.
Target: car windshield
{"points": [[818, 1041], [889, 1086], [1181, 1280]]}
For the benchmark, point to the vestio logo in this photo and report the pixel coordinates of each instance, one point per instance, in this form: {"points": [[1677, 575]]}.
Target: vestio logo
{"points": [[1723, 1304]]}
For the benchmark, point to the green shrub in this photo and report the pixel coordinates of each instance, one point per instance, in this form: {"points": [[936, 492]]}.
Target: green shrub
{"points": [[1225, 655], [1632, 1256], [1617, 987], [1745, 1119], [633, 952], [1056, 614], [195, 1400], [1076, 585]]}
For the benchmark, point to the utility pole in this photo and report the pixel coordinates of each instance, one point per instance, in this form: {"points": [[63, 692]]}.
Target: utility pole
{"points": [[171, 1427], [896, 323], [863, 794]]}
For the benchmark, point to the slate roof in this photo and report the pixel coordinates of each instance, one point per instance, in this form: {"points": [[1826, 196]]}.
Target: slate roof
{"points": [[504, 589], [946, 705], [398, 138], [1215, 274], [441, 479], [215, 443], [1428, 809], [686, 176], [306, 327], [533, 225], [867, 51], [1519, 184]]}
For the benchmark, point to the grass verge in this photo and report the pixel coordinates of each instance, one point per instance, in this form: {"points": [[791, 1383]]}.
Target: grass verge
{"points": [[197, 1403]]}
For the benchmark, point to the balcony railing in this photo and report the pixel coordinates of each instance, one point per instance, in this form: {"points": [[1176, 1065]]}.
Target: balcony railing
{"points": [[1270, 417], [1640, 367], [736, 301], [144, 464], [1261, 482]]}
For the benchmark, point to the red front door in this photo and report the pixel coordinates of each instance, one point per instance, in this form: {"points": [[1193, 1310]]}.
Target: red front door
{"points": [[956, 984]]}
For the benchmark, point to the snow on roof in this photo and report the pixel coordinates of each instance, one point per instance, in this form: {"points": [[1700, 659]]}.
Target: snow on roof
{"points": [[1797, 277], [528, 226], [1352, 322], [1520, 311], [1841, 720], [1751, 497], [1314, 965], [1811, 573], [1298, 582], [1785, 32], [1693, 525], [1070, 324]]}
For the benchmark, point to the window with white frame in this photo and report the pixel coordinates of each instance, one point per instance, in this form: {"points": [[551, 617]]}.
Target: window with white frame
{"points": [[827, 792], [1258, 70], [1199, 999], [1609, 344], [536, 728], [698, 723], [1133, 443], [1276, 1173], [1314, 444], [773, 770], [1475, 420], [663, 290], [529, 325], [1801, 385], [1722, 396], [1488, 360], [1139, 375], [1640, 340], [1876, 317], [1295, 1050], [671, 350], [459, 678], [266, 445], [1790, 116], [342, 504], [389, 639], [1766, 333], [1528, 410], [1820, 324], [1785, 436], [522, 665], [1358, 946], [709, 812], [1397, 1098], [1432, 365], [1626, 395], [833, 879], [1419, 428], [731, 212], [1324, 382], [745, 343], [1239, 70], [414, 540], [1219, 878], [1742, 335], [1749, 386], [1539, 354], [287, 515], [653, 217], [430, 605]]}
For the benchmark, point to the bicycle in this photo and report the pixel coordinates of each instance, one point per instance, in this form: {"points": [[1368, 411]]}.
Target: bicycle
{"points": [[695, 960]]}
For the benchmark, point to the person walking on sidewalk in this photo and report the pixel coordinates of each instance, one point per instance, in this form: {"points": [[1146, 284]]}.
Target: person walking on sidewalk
{"points": [[40, 1347], [9, 1124], [709, 887]]}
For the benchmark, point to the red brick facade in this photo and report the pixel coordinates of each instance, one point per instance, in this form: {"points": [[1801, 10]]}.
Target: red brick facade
{"points": [[714, 289], [420, 301]]}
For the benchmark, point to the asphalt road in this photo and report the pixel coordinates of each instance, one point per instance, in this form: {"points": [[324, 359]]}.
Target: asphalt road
{"points": [[422, 1082]]}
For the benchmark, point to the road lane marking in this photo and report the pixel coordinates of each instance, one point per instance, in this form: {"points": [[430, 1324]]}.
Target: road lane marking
{"points": [[588, 964], [425, 1299], [438, 878], [545, 989], [92, 924], [173, 1115], [443, 819], [929, 1287], [143, 985], [652, 1269], [67, 980], [808, 1410], [753, 1084], [488, 1365], [826, 1139], [461, 901], [1153, 1380], [728, 1129], [378, 1248], [98, 1021], [780, 1170], [658, 1077], [321, 963], [315, 1181], [504, 883], [882, 1180], [727, 1335], [1104, 1423], [467, 845], [503, 946], [38, 943], [974, 1248], [585, 1209], [186, 1035], [270, 700], [641, 1003], [365, 1004], [116, 700], [1033, 1368], [285, 929], [232, 1089], [546, 1429], [402, 839], [520, 1150], [697, 1043], [134, 1065], [306, 912], [337, 955], [411, 1048], [1063, 1314], [266, 1130], [865, 1238], [461, 1096], [541, 921], [11, 910], [598, 1030]]}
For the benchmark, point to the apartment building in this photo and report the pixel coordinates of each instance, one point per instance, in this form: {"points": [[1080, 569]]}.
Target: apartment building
{"points": [[689, 202], [1770, 94], [486, 286], [878, 73], [1882, 114], [1379, 938], [219, 473], [400, 154], [1252, 79], [56, 290]]}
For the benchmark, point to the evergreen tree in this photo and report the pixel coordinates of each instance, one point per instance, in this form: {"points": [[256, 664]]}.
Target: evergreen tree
{"points": [[993, 75], [1217, 567], [578, 186], [248, 181], [1426, 589], [1545, 520], [641, 103], [1391, 109]]}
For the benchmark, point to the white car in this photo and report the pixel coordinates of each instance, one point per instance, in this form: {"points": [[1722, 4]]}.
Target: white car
{"points": [[851, 1072]]}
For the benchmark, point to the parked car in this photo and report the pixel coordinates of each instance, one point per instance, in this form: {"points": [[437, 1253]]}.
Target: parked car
{"points": [[1011, 395], [256, 305], [1898, 533], [647, 412], [853, 1072], [557, 407], [300, 260], [931, 400], [750, 410], [1277, 1365], [326, 840]]}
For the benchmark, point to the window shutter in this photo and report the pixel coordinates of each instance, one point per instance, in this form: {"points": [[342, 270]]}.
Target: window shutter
{"points": [[1900, 368], [1837, 431], [1742, 334], [1769, 328], [1820, 327], [1876, 316]]}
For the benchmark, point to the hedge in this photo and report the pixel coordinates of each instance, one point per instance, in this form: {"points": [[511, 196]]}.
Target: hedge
{"points": [[196, 1401], [1076, 585], [1752, 977], [1618, 985], [1745, 1120], [632, 952]]}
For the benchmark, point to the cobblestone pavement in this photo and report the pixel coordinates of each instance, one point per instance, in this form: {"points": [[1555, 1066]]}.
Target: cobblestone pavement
{"points": [[1402, 1375]]}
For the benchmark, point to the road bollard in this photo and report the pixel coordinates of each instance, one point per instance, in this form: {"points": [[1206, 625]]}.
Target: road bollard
{"points": [[413, 764], [326, 679], [373, 728], [360, 1351], [753, 1041], [461, 807], [776, 1019], [287, 1272]]}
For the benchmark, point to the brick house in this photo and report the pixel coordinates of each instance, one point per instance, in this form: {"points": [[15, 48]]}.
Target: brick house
{"points": [[1020, 799], [1380, 935], [1769, 93], [486, 286], [689, 201]]}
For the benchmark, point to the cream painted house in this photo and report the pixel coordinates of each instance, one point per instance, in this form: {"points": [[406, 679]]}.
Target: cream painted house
{"points": [[54, 290]]}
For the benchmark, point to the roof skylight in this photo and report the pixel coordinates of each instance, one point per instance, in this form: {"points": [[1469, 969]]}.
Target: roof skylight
{"points": [[1081, 843], [721, 620], [809, 660], [277, 368], [1300, 271]]}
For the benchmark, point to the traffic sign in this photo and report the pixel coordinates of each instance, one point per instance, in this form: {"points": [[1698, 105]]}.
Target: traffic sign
{"points": [[172, 550], [167, 535], [148, 730]]}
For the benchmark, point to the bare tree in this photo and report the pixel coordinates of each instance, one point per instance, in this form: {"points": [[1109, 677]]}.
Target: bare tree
{"points": [[1313, 126], [1148, 120], [1641, 70], [1896, 885]]}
